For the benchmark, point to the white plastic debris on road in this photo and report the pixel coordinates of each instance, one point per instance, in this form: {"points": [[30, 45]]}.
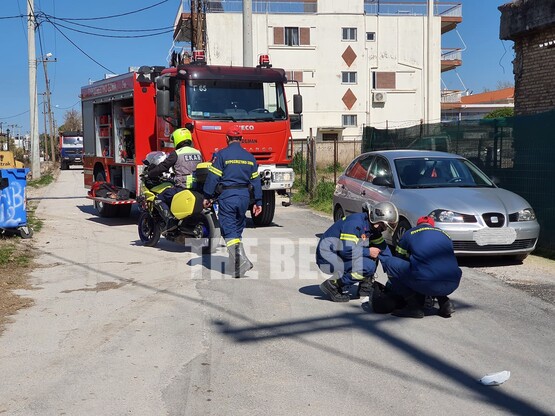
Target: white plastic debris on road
{"points": [[495, 379]]}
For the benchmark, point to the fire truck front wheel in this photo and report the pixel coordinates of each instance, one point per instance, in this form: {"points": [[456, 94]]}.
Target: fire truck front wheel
{"points": [[266, 217]]}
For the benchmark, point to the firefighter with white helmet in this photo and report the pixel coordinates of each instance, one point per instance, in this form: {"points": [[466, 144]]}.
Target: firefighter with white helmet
{"points": [[183, 160], [344, 249]]}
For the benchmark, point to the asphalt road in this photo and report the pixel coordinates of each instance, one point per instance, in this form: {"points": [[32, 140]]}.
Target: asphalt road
{"points": [[118, 328]]}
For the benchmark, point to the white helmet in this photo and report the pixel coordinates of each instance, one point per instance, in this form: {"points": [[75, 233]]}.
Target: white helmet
{"points": [[384, 212]]}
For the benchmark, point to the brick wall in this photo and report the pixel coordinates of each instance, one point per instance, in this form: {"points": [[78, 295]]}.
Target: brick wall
{"points": [[534, 68]]}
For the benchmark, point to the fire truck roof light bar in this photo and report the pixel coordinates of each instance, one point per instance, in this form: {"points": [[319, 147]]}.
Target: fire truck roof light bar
{"points": [[264, 61]]}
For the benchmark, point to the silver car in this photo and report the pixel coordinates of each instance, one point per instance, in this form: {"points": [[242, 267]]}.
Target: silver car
{"points": [[481, 218]]}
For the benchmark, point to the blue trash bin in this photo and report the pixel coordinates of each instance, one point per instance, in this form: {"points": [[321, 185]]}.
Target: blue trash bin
{"points": [[13, 201]]}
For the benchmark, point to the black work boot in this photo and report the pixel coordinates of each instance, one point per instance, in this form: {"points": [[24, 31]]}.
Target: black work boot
{"points": [[414, 308], [365, 287], [169, 220], [238, 263], [334, 289], [245, 264], [446, 307]]}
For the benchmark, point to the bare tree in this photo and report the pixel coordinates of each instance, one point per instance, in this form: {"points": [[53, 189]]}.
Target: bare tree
{"points": [[72, 121], [505, 84]]}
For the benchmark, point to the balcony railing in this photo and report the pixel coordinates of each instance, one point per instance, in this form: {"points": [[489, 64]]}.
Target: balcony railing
{"points": [[371, 7], [410, 8], [451, 54], [264, 6]]}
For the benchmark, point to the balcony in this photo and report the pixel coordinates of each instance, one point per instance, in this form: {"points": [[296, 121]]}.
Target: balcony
{"points": [[450, 59]]}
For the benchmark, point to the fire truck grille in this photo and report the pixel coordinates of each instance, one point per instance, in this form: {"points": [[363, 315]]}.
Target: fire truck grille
{"points": [[262, 156]]}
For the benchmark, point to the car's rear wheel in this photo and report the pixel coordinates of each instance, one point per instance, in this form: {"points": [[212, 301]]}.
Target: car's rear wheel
{"points": [[338, 213], [401, 229]]}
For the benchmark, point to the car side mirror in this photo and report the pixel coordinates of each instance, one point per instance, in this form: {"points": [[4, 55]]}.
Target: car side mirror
{"points": [[382, 181]]}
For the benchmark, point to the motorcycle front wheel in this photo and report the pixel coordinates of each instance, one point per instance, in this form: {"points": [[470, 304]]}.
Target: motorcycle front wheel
{"points": [[149, 229]]}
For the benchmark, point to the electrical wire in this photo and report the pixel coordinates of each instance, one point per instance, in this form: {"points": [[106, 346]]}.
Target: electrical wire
{"points": [[109, 36], [115, 15], [52, 18], [81, 50]]}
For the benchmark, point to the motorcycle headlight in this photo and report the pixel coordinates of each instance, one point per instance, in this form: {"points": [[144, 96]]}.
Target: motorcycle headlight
{"points": [[442, 215]]}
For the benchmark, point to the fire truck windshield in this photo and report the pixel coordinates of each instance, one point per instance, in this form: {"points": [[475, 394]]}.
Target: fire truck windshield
{"points": [[235, 100]]}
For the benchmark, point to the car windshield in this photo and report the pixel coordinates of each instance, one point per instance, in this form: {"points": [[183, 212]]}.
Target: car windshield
{"points": [[235, 100], [440, 172]]}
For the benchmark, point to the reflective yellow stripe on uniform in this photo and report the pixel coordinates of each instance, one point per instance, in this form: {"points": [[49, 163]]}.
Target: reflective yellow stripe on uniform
{"points": [[357, 276], [254, 175], [233, 242], [214, 170], [239, 162], [402, 251], [378, 240], [349, 237]]}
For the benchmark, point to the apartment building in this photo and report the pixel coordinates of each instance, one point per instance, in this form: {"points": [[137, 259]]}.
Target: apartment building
{"points": [[358, 62]]}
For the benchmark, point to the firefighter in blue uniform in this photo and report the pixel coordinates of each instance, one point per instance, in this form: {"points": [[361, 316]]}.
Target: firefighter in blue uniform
{"points": [[343, 250], [183, 160], [426, 266], [231, 177]]}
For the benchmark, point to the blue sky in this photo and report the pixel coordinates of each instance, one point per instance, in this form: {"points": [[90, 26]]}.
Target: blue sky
{"points": [[486, 59]]}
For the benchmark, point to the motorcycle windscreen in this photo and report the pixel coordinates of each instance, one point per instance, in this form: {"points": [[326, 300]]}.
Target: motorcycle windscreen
{"points": [[185, 203]]}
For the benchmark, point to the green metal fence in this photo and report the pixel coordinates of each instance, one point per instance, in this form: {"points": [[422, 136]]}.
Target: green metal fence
{"points": [[520, 151]]}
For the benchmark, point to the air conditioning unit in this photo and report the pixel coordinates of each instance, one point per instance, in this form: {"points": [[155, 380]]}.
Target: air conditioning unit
{"points": [[379, 97]]}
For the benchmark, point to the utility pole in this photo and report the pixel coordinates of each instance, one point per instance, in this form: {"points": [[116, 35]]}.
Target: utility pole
{"points": [[45, 61], [45, 132], [33, 116], [247, 33]]}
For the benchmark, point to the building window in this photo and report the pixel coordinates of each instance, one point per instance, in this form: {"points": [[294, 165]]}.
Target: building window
{"points": [[370, 36], [296, 121], [292, 36], [349, 120], [329, 137], [294, 76], [348, 77], [349, 33], [383, 80]]}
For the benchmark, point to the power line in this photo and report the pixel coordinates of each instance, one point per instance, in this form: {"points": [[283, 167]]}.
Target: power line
{"points": [[115, 15], [81, 50], [110, 36], [108, 29]]}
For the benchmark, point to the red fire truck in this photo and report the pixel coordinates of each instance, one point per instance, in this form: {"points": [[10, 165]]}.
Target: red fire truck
{"points": [[127, 116]]}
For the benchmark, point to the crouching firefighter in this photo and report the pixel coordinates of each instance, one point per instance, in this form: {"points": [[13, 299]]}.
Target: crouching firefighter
{"points": [[184, 160], [232, 176], [344, 250]]}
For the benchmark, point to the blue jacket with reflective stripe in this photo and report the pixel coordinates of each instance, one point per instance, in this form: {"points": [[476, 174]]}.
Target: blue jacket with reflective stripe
{"points": [[233, 166], [430, 252], [350, 237]]}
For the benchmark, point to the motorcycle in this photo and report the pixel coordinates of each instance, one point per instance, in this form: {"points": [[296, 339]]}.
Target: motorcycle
{"points": [[197, 227]]}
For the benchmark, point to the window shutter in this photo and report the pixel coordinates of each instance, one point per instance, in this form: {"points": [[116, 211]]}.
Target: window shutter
{"points": [[279, 36], [305, 35], [385, 80]]}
